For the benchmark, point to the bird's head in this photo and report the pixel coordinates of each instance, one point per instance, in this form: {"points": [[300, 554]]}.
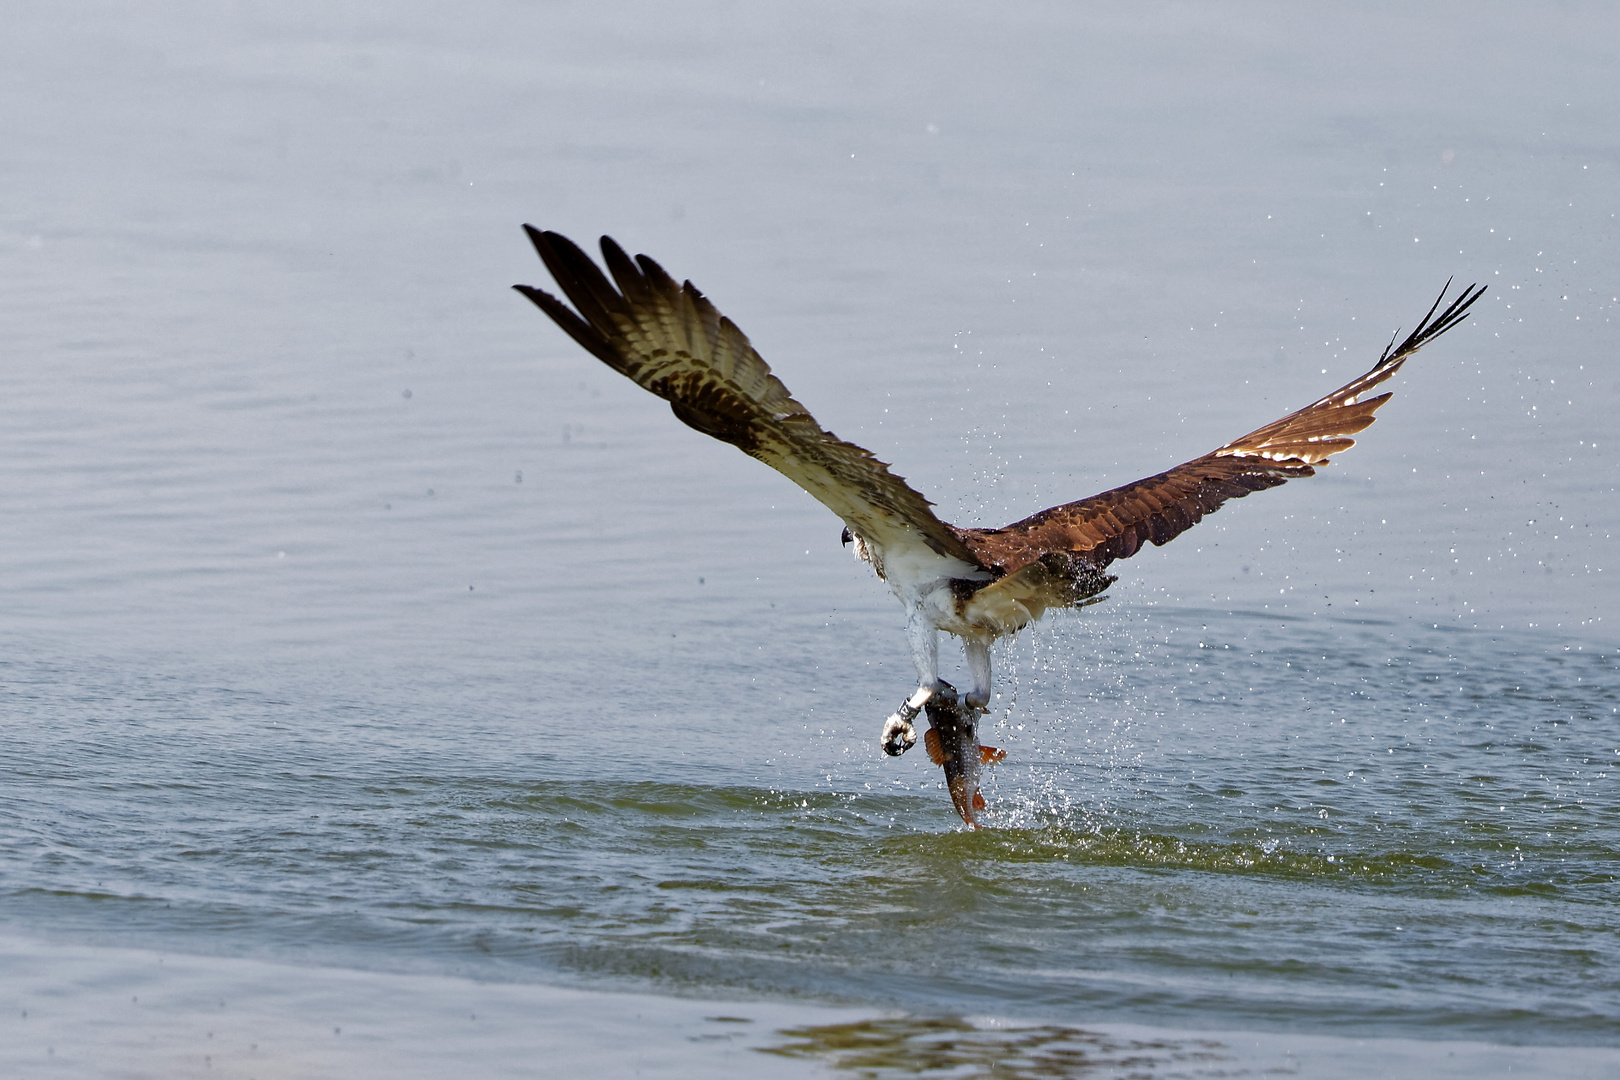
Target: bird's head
{"points": [[861, 549]]}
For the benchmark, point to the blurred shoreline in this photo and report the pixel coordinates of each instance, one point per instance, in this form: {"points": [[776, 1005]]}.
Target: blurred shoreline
{"points": [[101, 1011]]}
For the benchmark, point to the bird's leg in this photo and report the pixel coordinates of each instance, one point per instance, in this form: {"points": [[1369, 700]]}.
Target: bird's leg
{"points": [[978, 661], [899, 734]]}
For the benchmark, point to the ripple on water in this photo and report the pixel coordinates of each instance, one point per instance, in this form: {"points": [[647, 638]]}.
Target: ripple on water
{"points": [[1426, 859]]}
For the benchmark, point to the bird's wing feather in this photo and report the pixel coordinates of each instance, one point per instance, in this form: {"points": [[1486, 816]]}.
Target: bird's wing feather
{"points": [[670, 340], [1115, 524]]}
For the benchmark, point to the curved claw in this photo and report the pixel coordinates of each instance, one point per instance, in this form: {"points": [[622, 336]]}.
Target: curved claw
{"points": [[899, 735]]}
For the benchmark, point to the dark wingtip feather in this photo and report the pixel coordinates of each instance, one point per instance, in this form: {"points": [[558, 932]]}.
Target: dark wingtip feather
{"points": [[575, 327], [657, 275], [1426, 330]]}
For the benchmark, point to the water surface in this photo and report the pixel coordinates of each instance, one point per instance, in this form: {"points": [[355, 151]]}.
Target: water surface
{"points": [[351, 617]]}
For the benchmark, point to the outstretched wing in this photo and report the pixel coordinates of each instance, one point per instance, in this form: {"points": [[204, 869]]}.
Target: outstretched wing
{"points": [[669, 339], [1115, 524]]}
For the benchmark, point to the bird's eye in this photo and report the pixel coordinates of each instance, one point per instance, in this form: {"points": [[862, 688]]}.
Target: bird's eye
{"points": [[845, 538]]}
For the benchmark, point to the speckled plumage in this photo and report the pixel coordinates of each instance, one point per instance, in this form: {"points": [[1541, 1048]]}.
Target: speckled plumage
{"points": [[980, 584]]}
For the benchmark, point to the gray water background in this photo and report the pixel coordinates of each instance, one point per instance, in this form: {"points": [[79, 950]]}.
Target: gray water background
{"points": [[350, 614]]}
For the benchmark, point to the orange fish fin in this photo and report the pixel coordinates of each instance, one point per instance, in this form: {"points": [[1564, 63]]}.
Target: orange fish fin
{"points": [[931, 743], [989, 755], [978, 801]]}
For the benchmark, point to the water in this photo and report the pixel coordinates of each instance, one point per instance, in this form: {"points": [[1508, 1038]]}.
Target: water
{"points": [[352, 620], [1434, 853]]}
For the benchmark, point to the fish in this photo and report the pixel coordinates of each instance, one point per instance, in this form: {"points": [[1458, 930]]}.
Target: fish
{"points": [[952, 742]]}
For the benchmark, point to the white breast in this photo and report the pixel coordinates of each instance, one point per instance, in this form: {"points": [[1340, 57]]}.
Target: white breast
{"points": [[921, 578]]}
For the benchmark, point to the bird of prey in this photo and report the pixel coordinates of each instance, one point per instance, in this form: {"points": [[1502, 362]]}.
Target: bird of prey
{"points": [[979, 584]]}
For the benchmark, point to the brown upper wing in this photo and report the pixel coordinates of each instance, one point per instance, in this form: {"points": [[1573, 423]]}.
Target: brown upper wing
{"points": [[670, 340], [1115, 524]]}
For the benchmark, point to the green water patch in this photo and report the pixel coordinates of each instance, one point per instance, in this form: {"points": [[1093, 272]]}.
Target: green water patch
{"points": [[1119, 847], [951, 1046], [660, 800], [907, 835]]}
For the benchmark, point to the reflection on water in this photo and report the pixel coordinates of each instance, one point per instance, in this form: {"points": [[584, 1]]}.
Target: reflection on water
{"points": [[952, 1046]]}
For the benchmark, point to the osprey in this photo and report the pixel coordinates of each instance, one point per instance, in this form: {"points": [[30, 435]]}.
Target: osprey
{"points": [[979, 584]]}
